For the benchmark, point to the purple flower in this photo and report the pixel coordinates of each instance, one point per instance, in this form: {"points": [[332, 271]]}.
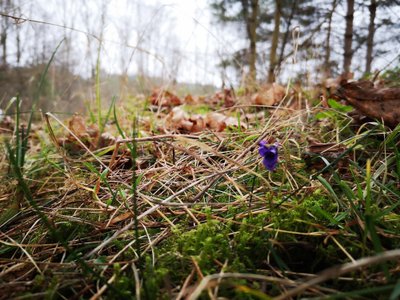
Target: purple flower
{"points": [[269, 155]]}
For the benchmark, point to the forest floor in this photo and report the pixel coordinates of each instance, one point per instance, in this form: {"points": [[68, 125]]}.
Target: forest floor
{"points": [[168, 198]]}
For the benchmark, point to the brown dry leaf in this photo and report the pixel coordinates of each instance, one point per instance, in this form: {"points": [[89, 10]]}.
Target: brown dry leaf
{"points": [[93, 131], [378, 103], [178, 120], [106, 139], [198, 123], [88, 135], [225, 97], [165, 98], [215, 121], [218, 122], [177, 113], [333, 83], [6, 124], [215, 99], [229, 99], [329, 151], [189, 99], [71, 146], [78, 126], [316, 147], [173, 100], [233, 122], [121, 217], [269, 95]]}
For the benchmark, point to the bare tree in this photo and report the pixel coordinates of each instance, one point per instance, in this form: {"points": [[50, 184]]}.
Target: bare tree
{"points": [[274, 42], [371, 33], [18, 38], [5, 6], [348, 37], [327, 58], [245, 14], [286, 34], [251, 17]]}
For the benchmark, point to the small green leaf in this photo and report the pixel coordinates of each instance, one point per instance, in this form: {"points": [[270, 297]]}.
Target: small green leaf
{"points": [[396, 292], [324, 115], [339, 107]]}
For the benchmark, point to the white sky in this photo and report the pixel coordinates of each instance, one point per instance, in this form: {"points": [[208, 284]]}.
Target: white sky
{"points": [[185, 31], [176, 39], [177, 36]]}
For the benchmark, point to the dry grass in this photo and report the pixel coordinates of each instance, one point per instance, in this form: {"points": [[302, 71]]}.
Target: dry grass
{"points": [[183, 182]]}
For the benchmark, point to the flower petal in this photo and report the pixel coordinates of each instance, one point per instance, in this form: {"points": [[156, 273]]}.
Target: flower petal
{"points": [[270, 165], [270, 156], [263, 148]]}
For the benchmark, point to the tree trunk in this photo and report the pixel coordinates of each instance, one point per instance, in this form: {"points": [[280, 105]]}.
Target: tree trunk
{"points": [[4, 31], [274, 43], [371, 32], [3, 41], [286, 35], [18, 39], [253, 23], [327, 59], [348, 37], [251, 19]]}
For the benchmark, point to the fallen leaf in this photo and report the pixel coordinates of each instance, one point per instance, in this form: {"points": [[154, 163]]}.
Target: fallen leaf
{"points": [[229, 99], [121, 217], [178, 120], [165, 98], [6, 124], [215, 121], [225, 98], [198, 123], [269, 95], [106, 139], [77, 125], [88, 135], [93, 131], [316, 147], [378, 103], [189, 99], [333, 83], [318, 152]]}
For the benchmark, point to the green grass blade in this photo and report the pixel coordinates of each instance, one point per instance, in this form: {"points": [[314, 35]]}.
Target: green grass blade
{"points": [[98, 94], [107, 117], [396, 292], [328, 187], [134, 184], [40, 85]]}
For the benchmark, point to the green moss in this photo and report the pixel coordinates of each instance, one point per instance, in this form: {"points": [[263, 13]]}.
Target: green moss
{"points": [[207, 243], [317, 209], [197, 109], [244, 248], [123, 286]]}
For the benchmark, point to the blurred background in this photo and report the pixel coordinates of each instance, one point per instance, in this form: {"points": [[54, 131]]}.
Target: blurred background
{"points": [[190, 46]]}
